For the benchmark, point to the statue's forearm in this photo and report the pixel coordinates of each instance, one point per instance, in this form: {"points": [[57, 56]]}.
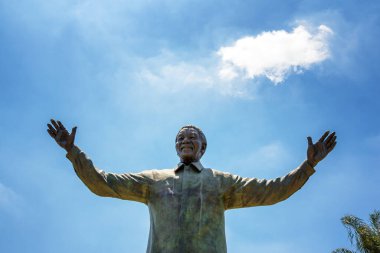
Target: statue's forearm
{"points": [[129, 186], [93, 178]]}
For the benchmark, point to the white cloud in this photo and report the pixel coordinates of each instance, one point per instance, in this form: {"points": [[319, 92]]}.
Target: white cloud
{"points": [[272, 54], [113, 30], [168, 73], [173, 76], [275, 54]]}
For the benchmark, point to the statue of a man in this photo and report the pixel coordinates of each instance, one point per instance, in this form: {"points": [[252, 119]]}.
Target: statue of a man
{"points": [[187, 203]]}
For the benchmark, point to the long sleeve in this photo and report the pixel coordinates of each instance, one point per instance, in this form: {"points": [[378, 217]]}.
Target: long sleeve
{"points": [[246, 192], [129, 186]]}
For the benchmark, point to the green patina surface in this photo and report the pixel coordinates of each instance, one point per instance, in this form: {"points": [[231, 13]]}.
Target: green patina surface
{"points": [[187, 203]]}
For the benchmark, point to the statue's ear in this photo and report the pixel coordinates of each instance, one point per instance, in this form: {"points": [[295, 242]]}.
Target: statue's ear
{"points": [[176, 149], [203, 148]]}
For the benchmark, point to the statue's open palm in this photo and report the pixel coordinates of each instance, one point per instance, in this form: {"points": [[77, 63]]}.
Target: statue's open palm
{"points": [[318, 151], [59, 133]]}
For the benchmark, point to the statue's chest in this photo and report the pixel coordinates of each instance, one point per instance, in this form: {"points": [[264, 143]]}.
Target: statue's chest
{"points": [[189, 184]]}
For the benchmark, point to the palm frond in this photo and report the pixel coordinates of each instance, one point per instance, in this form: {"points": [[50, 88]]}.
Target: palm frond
{"points": [[366, 236], [342, 250], [375, 221], [357, 230]]}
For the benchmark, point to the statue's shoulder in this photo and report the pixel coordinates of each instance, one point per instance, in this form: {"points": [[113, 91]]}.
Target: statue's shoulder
{"points": [[161, 174], [222, 175], [214, 172]]}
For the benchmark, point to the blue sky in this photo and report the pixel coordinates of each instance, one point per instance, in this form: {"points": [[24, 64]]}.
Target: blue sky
{"points": [[257, 76]]}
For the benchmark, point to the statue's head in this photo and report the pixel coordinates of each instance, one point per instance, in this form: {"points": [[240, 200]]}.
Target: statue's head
{"points": [[190, 144]]}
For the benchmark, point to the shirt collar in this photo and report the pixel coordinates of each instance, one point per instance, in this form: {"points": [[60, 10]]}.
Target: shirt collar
{"points": [[197, 165]]}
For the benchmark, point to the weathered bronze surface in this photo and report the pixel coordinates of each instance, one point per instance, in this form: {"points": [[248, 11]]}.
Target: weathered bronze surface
{"points": [[187, 203]]}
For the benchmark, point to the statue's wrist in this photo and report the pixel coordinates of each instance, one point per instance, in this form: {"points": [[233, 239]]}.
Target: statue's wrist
{"points": [[312, 163], [69, 147]]}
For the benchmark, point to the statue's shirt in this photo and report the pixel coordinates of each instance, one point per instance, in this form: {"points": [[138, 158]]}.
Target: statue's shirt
{"points": [[187, 203]]}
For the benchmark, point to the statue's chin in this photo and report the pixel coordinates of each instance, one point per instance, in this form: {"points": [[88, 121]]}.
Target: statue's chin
{"points": [[188, 159]]}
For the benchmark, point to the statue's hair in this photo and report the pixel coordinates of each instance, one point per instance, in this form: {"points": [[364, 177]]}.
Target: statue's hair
{"points": [[200, 132]]}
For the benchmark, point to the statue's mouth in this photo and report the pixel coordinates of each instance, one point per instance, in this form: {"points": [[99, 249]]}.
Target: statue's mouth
{"points": [[186, 147]]}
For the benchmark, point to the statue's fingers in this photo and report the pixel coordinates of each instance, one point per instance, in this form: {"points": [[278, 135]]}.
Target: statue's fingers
{"points": [[330, 142], [51, 133], [52, 129], [54, 124], [324, 136], [330, 137], [61, 125], [331, 147], [74, 131], [309, 141]]}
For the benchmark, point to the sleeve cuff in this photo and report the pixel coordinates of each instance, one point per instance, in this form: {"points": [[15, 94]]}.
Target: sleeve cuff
{"points": [[73, 153], [309, 170]]}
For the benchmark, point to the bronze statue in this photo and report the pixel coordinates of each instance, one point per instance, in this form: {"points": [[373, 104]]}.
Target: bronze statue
{"points": [[187, 203]]}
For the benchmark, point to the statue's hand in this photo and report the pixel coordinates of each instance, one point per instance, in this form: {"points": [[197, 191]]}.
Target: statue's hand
{"points": [[318, 151], [59, 133]]}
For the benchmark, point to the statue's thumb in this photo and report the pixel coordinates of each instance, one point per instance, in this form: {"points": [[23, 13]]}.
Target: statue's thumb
{"points": [[74, 131], [309, 141]]}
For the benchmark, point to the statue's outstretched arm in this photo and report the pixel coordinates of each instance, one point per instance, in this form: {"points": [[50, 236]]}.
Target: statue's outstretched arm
{"points": [[245, 192], [130, 186]]}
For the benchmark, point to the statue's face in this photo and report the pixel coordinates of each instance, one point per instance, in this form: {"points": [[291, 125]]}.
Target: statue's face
{"points": [[189, 145]]}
